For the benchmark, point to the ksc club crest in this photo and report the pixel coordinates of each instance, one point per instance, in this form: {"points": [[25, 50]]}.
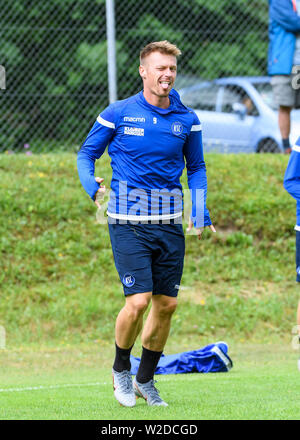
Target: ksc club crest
{"points": [[128, 280], [177, 128]]}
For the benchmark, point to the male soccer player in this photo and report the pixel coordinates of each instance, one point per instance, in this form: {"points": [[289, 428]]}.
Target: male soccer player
{"points": [[150, 136], [292, 185]]}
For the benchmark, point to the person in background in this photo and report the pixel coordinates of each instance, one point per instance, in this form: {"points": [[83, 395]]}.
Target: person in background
{"points": [[283, 57], [291, 183]]}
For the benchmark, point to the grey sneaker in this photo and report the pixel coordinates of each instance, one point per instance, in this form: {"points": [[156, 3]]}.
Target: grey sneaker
{"points": [[148, 392], [123, 389]]}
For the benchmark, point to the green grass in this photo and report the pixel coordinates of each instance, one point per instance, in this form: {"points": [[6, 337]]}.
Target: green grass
{"points": [[263, 384], [59, 283], [60, 295]]}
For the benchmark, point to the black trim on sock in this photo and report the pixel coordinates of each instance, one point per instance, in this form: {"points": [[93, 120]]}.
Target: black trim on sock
{"points": [[122, 359], [148, 364]]}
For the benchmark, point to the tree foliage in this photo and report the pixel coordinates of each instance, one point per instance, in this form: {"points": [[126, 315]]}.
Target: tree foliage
{"points": [[55, 55]]}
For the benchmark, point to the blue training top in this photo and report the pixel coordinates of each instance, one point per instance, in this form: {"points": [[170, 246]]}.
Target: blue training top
{"points": [[148, 147], [292, 178]]}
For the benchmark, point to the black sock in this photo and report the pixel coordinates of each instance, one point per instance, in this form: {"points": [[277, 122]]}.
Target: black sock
{"points": [[149, 361], [286, 143], [122, 359]]}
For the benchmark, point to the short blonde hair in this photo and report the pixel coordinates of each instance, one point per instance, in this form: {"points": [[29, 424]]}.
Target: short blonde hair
{"points": [[164, 47]]}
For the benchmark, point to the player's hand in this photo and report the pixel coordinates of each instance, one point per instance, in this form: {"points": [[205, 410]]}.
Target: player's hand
{"points": [[198, 230], [99, 196]]}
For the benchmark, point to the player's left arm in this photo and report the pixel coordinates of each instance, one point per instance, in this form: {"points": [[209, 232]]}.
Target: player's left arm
{"points": [[291, 180], [197, 179]]}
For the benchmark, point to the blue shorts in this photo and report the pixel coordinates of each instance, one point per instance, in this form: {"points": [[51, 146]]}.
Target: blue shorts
{"points": [[298, 256], [148, 257]]}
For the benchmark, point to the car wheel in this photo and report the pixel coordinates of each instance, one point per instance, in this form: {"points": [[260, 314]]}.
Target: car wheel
{"points": [[268, 146]]}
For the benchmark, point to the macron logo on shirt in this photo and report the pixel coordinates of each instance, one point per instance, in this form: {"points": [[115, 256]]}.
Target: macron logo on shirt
{"points": [[133, 119]]}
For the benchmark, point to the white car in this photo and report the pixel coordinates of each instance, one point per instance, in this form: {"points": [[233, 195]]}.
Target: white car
{"points": [[238, 115]]}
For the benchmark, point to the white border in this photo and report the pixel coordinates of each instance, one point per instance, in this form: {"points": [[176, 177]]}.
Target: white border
{"points": [[105, 123], [296, 148], [222, 357], [196, 127], [144, 217]]}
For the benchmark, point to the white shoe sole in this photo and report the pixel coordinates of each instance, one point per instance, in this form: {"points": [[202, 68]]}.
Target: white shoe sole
{"points": [[124, 402]]}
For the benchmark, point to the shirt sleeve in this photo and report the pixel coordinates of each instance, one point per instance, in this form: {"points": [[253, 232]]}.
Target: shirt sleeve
{"points": [[283, 13], [291, 181], [196, 173], [94, 146]]}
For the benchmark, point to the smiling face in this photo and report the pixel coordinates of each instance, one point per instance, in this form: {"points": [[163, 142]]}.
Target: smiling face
{"points": [[158, 71]]}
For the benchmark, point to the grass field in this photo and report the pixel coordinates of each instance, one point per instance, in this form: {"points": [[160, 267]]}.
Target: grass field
{"points": [[60, 295], [59, 283], [76, 384]]}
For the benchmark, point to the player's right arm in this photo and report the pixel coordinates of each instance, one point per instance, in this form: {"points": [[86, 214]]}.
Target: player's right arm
{"points": [[94, 146]]}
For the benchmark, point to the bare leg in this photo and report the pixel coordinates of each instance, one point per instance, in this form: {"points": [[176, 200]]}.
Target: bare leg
{"points": [[157, 326], [130, 319], [284, 121]]}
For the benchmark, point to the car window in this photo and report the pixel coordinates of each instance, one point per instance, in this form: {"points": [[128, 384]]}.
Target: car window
{"points": [[203, 98], [266, 92], [233, 94]]}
